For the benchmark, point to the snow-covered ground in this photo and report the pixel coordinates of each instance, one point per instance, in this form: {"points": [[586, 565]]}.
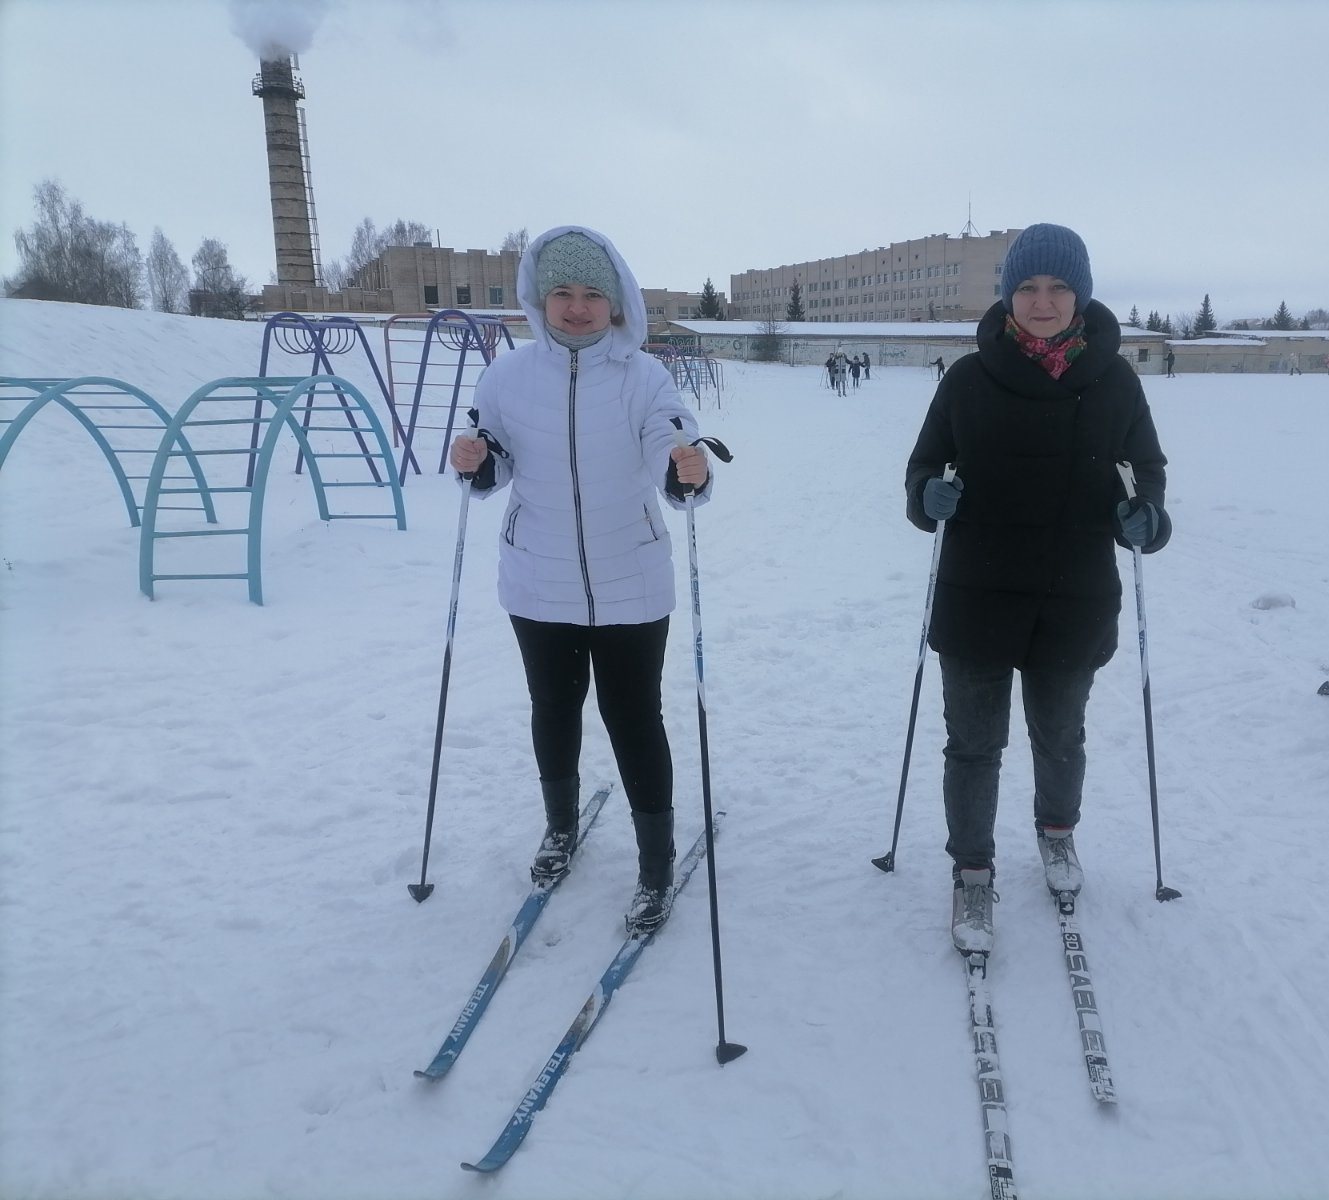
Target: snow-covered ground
{"points": [[214, 983]]}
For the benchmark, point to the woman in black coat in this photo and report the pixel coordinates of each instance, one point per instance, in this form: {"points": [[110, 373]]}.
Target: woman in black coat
{"points": [[1034, 423]]}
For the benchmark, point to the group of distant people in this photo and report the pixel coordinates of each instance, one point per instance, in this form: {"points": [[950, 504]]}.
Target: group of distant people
{"points": [[840, 369]]}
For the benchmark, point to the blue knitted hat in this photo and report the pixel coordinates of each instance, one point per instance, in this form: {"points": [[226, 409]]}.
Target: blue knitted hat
{"points": [[1048, 250], [575, 258]]}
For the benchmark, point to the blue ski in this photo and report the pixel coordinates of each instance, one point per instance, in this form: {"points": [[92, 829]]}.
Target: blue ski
{"points": [[521, 926], [537, 1096]]}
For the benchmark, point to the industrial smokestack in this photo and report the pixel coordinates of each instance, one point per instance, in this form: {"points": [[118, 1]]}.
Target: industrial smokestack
{"points": [[292, 226]]}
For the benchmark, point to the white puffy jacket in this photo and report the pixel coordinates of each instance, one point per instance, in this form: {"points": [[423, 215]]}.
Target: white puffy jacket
{"points": [[583, 541]]}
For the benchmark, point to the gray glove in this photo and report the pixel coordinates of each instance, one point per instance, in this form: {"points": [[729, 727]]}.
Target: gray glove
{"points": [[940, 498], [1138, 520]]}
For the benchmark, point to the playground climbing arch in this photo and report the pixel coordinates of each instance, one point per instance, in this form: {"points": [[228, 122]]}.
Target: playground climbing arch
{"points": [[234, 425]]}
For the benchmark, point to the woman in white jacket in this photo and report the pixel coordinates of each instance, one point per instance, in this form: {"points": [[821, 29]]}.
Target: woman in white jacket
{"points": [[579, 423]]}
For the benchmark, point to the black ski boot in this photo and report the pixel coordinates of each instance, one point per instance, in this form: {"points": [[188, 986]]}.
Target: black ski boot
{"points": [[554, 857], [654, 896]]}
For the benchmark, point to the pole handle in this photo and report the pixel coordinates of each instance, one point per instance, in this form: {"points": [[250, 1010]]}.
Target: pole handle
{"points": [[681, 439], [949, 473], [470, 433], [1127, 473]]}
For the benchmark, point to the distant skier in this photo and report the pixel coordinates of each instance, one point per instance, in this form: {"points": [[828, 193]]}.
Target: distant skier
{"points": [[940, 365], [840, 374], [1294, 364], [855, 369], [1170, 360], [867, 366], [1028, 579]]}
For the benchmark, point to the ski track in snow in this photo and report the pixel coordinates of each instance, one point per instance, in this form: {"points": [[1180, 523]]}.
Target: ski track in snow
{"points": [[215, 986]]}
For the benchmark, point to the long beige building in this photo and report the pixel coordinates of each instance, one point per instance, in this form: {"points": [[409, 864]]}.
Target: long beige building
{"points": [[934, 278]]}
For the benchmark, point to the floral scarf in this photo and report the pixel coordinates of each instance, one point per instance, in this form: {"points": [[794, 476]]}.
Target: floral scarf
{"points": [[1054, 354]]}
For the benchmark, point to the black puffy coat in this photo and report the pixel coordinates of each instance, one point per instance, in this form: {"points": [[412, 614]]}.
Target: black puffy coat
{"points": [[1028, 574]]}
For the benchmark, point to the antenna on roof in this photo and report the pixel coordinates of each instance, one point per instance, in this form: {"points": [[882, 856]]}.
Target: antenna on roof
{"points": [[969, 229]]}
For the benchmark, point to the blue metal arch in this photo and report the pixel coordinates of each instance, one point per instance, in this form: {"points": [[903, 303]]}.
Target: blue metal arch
{"points": [[283, 395], [57, 391]]}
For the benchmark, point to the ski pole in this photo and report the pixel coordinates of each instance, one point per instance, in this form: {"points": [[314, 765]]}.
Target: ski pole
{"points": [[1160, 893], [887, 861], [725, 1051], [421, 891]]}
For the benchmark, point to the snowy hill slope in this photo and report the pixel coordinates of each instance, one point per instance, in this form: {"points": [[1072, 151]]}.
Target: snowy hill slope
{"points": [[214, 986]]}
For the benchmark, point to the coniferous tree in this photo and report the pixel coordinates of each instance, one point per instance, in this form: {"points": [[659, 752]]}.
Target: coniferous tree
{"points": [[1155, 323], [794, 310], [1282, 318], [709, 308], [1165, 325], [1204, 319], [1134, 319]]}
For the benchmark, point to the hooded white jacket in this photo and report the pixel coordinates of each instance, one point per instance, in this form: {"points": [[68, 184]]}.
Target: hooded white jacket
{"points": [[583, 541]]}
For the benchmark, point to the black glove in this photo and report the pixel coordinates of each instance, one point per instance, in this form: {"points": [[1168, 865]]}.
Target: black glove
{"points": [[940, 498], [1138, 521]]}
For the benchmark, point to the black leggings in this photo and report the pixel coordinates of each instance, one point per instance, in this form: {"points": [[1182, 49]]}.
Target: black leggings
{"points": [[628, 661]]}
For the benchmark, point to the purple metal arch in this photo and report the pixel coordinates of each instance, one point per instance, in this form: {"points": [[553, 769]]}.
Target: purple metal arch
{"points": [[455, 330], [297, 334]]}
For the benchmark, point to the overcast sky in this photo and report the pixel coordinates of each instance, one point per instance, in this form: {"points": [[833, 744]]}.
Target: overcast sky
{"points": [[1187, 142]]}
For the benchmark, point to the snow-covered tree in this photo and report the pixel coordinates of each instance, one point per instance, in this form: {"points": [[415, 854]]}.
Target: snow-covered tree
{"points": [[1134, 319]]}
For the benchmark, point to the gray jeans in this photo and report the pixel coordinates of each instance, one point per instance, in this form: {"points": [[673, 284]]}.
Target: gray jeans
{"points": [[978, 715]]}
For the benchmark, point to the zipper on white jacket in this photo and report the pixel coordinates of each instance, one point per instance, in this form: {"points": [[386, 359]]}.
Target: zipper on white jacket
{"points": [[576, 489]]}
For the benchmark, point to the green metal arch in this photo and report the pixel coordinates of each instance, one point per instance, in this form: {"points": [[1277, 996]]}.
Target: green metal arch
{"points": [[283, 394], [57, 391]]}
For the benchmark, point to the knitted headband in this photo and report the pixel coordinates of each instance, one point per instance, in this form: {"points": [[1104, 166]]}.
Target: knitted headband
{"points": [[1048, 250], [575, 258]]}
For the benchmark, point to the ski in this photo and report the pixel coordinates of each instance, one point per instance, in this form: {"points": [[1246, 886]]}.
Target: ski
{"points": [[537, 1095], [1086, 1007], [991, 1090], [521, 926]]}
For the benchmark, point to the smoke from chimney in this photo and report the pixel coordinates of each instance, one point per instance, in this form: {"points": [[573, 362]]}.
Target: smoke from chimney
{"points": [[275, 29]]}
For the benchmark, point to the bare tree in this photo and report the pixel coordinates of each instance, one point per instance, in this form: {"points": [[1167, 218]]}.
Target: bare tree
{"points": [[218, 291], [766, 345], [517, 239], [367, 243], [335, 275], [67, 255], [168, 281]]}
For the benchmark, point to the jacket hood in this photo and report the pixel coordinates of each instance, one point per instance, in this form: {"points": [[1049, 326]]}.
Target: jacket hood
{"points": [[624, 339]]}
